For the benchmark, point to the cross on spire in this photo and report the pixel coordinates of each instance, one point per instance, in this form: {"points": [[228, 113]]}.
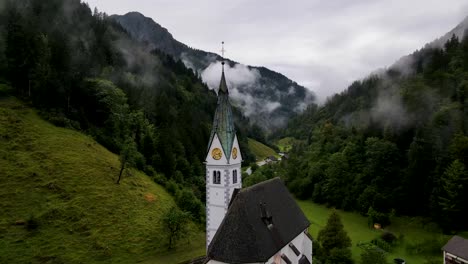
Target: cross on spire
{"points": [[222, 49], [222, 53]]}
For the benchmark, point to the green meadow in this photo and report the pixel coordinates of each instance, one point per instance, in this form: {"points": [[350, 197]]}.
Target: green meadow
{"points": [[418, 241], [260, 150], [60, 203]]}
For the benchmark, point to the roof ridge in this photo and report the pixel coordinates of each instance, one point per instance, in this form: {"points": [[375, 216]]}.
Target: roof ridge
{"points": [[261, 184]]}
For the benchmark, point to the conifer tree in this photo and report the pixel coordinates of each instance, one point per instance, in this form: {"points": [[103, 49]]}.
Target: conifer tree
{"points": [[373, 256], [334, 241], [453, 198]]}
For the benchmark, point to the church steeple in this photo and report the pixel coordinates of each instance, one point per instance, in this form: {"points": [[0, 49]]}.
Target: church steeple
{"points": [[223, 123], [223, 162]]}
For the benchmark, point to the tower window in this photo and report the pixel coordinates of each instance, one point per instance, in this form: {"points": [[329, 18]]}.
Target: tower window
{"points": [[234, 176], [216, 177]]}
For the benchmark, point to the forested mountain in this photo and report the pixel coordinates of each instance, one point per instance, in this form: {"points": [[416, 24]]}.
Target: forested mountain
{"points": [[394, 142], [83, 70], [268, 98]]}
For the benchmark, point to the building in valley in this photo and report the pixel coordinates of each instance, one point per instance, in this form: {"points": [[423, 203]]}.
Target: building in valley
{"points": [[264, 224], [259, 224], [456, 251]]}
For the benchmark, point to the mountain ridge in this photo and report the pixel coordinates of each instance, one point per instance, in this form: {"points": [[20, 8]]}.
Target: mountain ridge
{"points": [[268, 97]]}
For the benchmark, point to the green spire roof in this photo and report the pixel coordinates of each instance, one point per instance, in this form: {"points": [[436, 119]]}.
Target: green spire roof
{"points": [[223, 123]]}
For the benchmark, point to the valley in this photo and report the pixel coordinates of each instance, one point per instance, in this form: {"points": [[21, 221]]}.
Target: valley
{"points": [[120, 144]]}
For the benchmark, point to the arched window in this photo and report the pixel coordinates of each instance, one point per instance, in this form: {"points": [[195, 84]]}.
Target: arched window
{"points": [[234, 176], [218, 177], [214, 177]]}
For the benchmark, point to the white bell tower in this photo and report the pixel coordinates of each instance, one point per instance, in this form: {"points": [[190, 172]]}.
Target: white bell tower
{"points": [[223, 162]]}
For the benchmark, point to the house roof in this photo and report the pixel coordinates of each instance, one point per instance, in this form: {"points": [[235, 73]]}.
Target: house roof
{"points": [[261, 220], [457, 246], [223, 123]]}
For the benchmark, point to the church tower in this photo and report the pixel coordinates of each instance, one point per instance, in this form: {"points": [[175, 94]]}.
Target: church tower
{"points": [[223, 163]]}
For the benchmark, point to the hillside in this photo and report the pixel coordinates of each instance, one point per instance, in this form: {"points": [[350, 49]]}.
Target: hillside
{"points": [[260, 150], [84, 71], [398, 137], [268, 98], [60, 203]]}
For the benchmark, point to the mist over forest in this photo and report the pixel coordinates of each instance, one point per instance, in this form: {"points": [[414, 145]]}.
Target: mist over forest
{"points": [[137, 106]]}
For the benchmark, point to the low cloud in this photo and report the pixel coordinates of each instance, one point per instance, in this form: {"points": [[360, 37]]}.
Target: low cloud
{"points": [[239, 75], [389, 109], [242, 82], [188, 63]]}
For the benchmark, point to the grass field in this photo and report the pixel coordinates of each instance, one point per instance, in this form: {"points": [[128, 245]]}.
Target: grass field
{"points": [[261, 151], [60, 204], [285, 144], [415, 232]]}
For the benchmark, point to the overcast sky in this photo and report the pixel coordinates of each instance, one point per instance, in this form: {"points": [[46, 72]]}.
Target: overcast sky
{"points": [[321, 44]]}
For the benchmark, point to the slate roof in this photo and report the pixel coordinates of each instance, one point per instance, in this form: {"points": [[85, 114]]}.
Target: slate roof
{"points": [[261, 220], [223, 123], [457, 246]]}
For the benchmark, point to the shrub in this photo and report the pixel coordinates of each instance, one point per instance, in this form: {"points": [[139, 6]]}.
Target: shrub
{"points": [[32, 223], [388, 237], [160, 179], [187, 201], [59, 119], [171, 187], [382, 244]]}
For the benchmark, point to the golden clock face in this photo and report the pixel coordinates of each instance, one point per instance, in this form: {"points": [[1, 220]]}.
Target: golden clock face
{"points": [[216, 154], [234, 153]]}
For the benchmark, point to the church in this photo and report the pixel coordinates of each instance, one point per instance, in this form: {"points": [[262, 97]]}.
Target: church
{"points": [[258, 224]]}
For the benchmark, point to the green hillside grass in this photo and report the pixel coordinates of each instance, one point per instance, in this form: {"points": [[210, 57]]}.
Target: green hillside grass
{"points": [[260, 150], [285, 144], [415, 233], [64, 182]]}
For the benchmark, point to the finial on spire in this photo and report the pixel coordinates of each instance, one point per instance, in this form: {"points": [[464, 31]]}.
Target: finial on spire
{"points": [[222, 53]]}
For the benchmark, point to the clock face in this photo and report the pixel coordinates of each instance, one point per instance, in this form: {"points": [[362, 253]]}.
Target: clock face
{"points": [[234, 153], [216, 154]]}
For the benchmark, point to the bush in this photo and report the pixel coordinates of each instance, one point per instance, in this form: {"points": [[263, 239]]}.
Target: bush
{"points": [[377, 217], [187, 201], [382, 244], [32, 223], [388, 237], [373, 256], [171, 187], [5, 89], [59, 119], [159, 179]]}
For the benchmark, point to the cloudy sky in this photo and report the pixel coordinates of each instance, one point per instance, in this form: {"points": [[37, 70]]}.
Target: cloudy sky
{"points": [[323, 45]]}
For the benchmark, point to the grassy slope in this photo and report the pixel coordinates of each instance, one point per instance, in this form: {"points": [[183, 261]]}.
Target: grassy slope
{"points": [[67, 182], [356, 227], [285, 144], [260, 150]]}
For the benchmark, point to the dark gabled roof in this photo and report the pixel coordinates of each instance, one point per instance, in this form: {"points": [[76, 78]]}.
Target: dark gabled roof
{"points": [[261, 220], [223, 123], [457, 246]]}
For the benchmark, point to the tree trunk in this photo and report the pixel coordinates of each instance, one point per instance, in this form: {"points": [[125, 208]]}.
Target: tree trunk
{"points": [[170, 240], [121, 171]]}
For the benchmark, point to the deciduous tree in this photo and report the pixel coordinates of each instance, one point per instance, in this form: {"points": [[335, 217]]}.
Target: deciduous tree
{"points": [[175, 221]]}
